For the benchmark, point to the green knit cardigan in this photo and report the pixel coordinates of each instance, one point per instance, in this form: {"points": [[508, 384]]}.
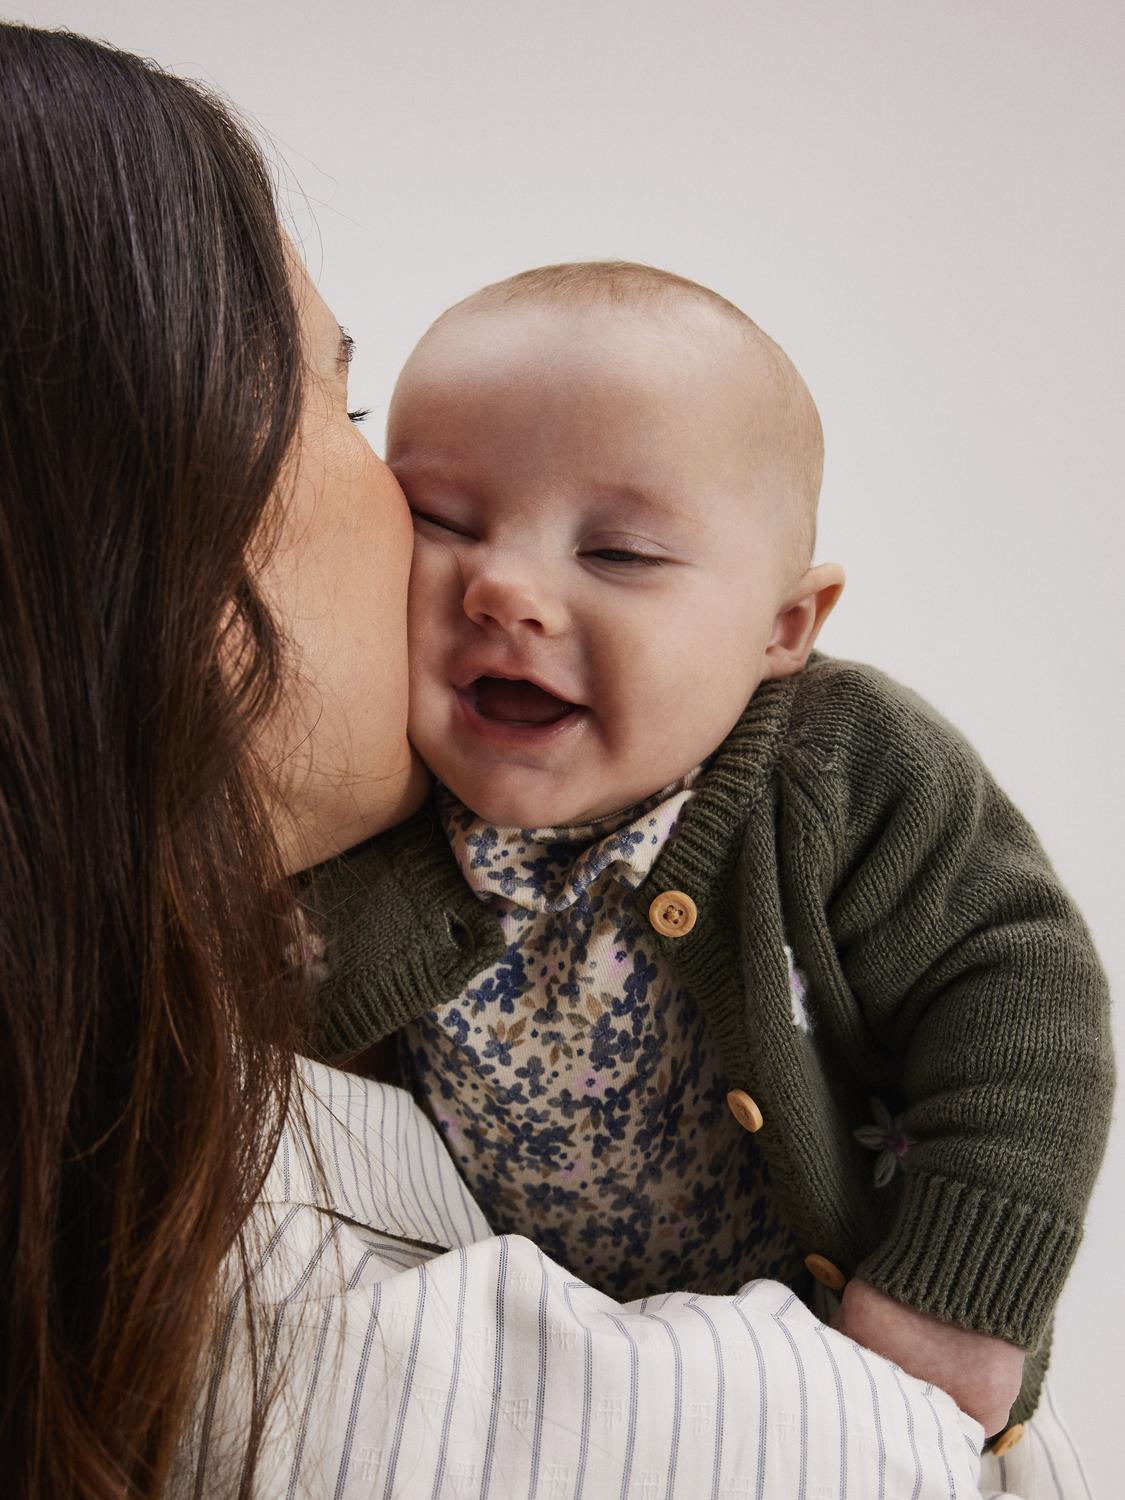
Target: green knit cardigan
{"points": [[947, 974]]}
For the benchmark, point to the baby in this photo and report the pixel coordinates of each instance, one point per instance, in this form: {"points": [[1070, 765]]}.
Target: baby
{"points": [[712, 958]]}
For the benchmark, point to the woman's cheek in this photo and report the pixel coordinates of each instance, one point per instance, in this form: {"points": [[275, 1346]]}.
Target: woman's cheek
{"points": [[434, 598]]}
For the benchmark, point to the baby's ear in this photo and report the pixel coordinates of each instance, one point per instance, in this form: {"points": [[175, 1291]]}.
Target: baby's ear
{"points": [[798, 622]]}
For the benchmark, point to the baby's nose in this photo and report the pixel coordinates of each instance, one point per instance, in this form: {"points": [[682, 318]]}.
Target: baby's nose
{"points": [[510, 601]]}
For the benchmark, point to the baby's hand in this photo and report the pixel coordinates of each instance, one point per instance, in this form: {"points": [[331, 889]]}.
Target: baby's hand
{"points": [[981, 1373]]}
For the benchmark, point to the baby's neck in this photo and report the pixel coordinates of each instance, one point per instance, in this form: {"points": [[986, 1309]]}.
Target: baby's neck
{"points": [[618, 815]]}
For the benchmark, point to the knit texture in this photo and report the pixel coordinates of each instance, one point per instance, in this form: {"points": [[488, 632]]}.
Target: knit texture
{"points": [[946, 972]]}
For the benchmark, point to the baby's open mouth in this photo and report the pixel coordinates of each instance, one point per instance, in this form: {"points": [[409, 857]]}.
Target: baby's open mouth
{"points": [[518, 702]]}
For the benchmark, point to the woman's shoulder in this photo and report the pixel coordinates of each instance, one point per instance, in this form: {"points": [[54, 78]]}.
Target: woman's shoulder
{"points": [[364, 1152]]}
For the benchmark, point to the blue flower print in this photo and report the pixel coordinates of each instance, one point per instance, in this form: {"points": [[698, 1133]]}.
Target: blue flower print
{"points": [[502, 988], [622, 845], [482, 844], [611, 1047], [635, 988], [455, 1024], [501, 1040], [544, 1194], [603, 1044], [533, 1072], [506, 881], [576, 1079], [545, 871]]}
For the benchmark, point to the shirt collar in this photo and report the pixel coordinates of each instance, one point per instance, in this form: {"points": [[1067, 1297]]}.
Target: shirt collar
{"points": [[551, 868]]}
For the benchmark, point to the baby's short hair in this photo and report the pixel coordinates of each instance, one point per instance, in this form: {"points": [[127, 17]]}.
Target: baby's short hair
{"points": [[627, 283], [624, 282]]}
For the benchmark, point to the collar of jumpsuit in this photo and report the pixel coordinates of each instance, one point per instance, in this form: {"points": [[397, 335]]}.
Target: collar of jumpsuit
{"points": [[550, 869]]}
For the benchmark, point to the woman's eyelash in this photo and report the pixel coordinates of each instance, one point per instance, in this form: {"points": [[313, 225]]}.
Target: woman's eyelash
{"points": [[360, 414]]}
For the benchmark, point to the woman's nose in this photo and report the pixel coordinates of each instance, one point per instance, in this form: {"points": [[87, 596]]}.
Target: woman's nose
{"points": [[509, 602]]}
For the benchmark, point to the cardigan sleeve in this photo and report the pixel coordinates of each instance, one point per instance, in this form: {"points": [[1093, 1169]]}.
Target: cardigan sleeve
{"points": [[973, 968]]}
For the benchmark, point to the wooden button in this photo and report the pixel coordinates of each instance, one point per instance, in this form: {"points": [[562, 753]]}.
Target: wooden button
{"points": [[673, 914], [826, 1273], [744, 1110], [1007, 1439]]}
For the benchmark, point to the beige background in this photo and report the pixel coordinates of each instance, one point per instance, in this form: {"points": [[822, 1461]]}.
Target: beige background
{"points": [[923, 202]]}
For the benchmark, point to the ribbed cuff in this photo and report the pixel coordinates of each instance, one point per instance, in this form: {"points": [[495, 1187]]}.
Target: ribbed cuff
{"points": [[401, 936], [973, 1258], [371, 1001]]}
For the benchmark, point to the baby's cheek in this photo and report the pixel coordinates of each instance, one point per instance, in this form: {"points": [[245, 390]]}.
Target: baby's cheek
{"points": [[672, 696], [654, 726]]}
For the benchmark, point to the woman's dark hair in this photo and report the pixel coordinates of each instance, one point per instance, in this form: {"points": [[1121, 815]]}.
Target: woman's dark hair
{"points": [[150, 374]]}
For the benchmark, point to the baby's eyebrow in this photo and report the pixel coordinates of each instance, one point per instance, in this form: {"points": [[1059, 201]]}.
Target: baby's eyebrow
{"points": [[345, 351], [641, 499], [422, 467]]}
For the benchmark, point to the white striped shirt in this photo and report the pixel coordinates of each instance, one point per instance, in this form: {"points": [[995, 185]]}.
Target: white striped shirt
{"points": [[416, 1355]]}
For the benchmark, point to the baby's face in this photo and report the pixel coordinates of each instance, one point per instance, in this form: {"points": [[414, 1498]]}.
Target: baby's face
{"points": [[599, 558]]}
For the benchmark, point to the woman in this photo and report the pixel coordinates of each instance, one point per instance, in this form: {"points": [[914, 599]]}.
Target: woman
{"points": [[220, 1281]]}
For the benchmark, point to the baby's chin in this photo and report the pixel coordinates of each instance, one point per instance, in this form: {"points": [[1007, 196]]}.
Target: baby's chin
{"points": [[509, 807]]}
